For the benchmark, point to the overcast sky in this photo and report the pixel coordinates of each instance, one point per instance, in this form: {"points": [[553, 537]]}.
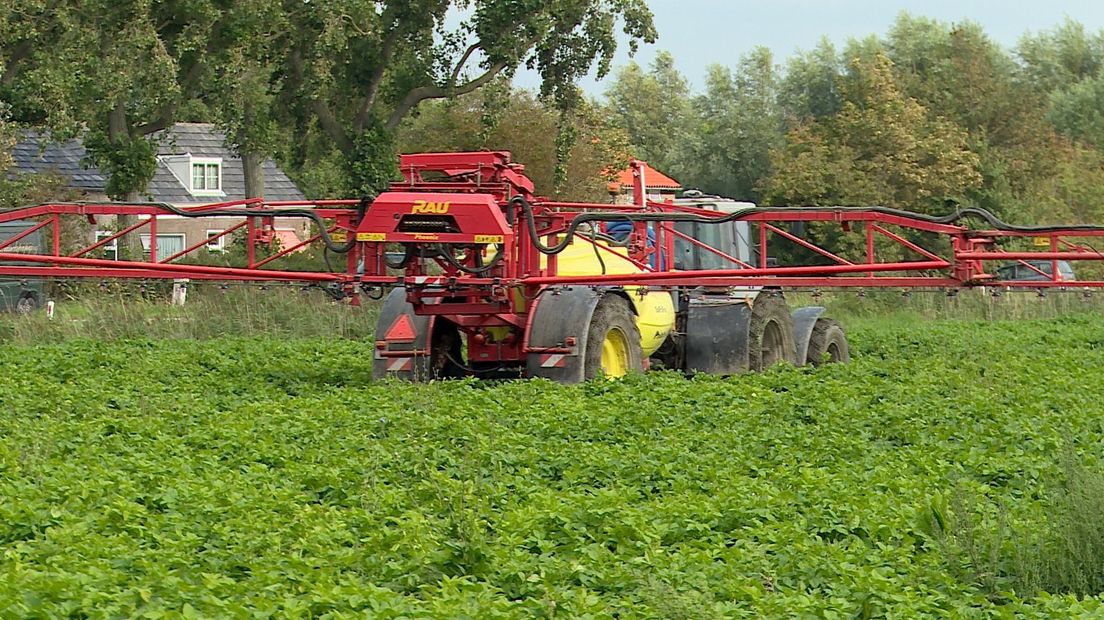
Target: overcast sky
{"points": [[701, 32]]}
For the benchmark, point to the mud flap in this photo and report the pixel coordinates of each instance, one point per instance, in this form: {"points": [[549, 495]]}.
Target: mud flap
{"points": [[804, 320], [561, 313], [716, 340], [405, 336]]}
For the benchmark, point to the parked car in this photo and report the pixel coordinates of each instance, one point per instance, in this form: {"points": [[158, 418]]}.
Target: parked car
{"points": [[22, 295], [1029, 270]]}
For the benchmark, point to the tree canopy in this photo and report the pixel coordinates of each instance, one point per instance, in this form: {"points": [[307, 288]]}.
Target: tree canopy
{"points": [[347, 71]]}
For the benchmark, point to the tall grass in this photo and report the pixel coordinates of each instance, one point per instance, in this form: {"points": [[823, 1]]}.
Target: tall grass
{"points": [[971, 304], [132, 311], [115, 310], [1062, 555]]}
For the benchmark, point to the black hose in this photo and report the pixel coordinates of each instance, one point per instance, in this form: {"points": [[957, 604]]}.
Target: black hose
{"points": [[597, 252], [475, 271], [408, 254]]}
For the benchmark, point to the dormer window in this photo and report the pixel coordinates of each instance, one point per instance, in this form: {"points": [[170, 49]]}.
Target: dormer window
{"points": [[206, 176]]}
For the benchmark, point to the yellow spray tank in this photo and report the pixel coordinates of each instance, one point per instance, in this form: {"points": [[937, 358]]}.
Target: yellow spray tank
{"points": [[655, 310]]}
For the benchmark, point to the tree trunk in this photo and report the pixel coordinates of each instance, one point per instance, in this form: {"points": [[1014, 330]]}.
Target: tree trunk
{"points": [[130, 245], [253, 165]]}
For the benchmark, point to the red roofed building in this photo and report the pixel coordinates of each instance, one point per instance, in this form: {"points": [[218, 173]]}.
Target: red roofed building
{"points": [[659, 186]]}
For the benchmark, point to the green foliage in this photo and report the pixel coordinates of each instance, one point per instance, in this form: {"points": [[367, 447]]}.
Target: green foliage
{"points": [[1061, 57], [883, 147], [810, 86], [128, 163], [372, 164], [984, 545], [739, 124], [533, 131], [1076, 111], [653, 108], [271, 478], [928, 112], [352, 65]]}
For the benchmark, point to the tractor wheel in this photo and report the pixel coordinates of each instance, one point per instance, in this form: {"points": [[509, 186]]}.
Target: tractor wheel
{"points": [[418, 348], [770, 333], [613, 340], [26, 304], [827, 339], [445, 353]]}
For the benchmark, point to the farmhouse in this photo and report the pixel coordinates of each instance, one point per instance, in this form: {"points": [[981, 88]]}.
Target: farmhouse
{"points": [[194, 166]]}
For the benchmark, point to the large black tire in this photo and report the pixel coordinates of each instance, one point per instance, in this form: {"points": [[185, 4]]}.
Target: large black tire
{"points": [[27, 303], [445, 353], [613, 328], [770, 333], [438, 338], [827, 339]]}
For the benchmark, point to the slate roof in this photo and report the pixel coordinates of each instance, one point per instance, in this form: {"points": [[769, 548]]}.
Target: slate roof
{"points": [[205, 140], [36, 153]]}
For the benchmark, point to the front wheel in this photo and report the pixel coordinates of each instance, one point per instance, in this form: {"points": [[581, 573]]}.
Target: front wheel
{"points": [[27, 303], [613, 340], [770, 333]]}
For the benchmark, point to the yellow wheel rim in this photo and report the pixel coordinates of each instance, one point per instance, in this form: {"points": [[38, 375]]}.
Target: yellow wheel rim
{"points": [[615, 354]]}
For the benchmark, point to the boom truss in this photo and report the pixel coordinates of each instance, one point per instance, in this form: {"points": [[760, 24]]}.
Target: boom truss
{"points": [[470, 228]]}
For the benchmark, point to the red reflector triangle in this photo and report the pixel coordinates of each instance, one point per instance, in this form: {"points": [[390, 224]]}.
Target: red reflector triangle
{"points": [[402, 330]]}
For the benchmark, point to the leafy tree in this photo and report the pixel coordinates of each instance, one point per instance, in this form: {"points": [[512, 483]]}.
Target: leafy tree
{"points": [[653, 108], [959, 72], [1078, 111], [357, 68], [500, 118], [1058, 58], [882, 148], [116, 71], [809, 88], [738, 123], [241, 77]]}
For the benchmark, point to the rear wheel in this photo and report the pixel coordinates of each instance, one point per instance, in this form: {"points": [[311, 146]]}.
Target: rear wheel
{"points": [[613, 340], [445, 360], [770, 333], [27, 303], [827, 339]]}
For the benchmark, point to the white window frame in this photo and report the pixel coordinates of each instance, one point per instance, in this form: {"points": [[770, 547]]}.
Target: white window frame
{"points": [[145, 237], [219, 245], [112, 247], [205, 162]]}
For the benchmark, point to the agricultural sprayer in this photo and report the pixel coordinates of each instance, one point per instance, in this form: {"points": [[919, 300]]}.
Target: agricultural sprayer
{"points": [[480, 276]]}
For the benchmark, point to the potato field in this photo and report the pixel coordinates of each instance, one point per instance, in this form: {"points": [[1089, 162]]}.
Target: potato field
{"points": [[953, 469]]}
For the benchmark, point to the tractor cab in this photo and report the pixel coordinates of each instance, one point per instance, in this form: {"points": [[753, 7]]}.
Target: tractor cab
{"points": [[728, 238]]}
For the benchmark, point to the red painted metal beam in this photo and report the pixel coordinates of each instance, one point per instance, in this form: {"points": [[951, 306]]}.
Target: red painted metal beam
{"points": [[11, 240], [719, 274], [116, 266], [136, 274], [107, 240], [194, 247], [1029, 255]]}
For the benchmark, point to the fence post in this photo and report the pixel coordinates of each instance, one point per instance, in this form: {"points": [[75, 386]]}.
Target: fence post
{"points": [[180, 292]]}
